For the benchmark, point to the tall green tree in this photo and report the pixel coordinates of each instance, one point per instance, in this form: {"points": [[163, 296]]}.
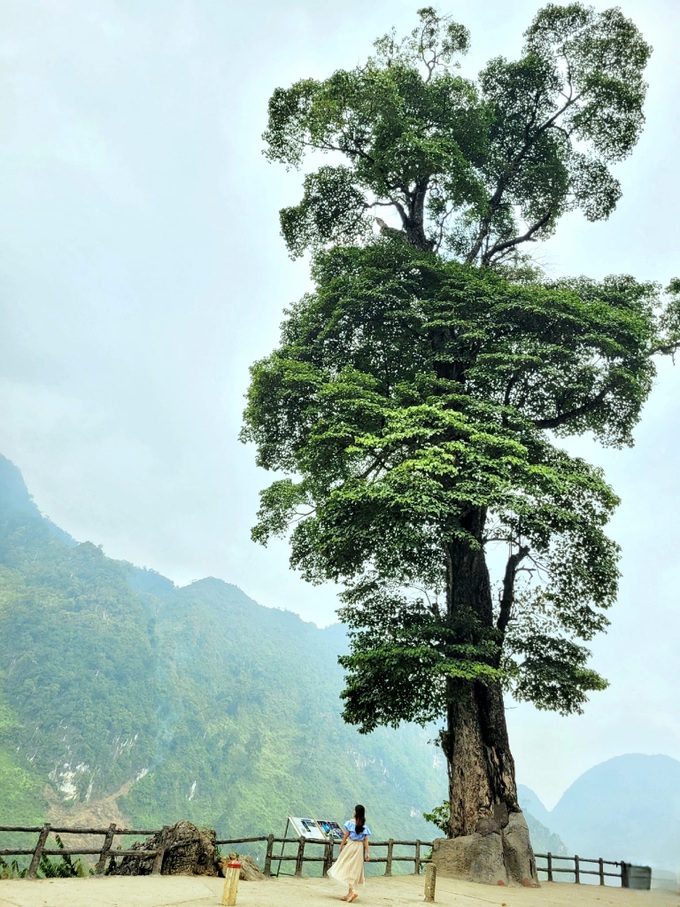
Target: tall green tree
{"points": [[474, 169], [416, 402]]}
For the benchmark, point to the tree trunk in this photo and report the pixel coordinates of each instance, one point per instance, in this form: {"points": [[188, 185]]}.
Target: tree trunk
{"points": [[490, 838], [481, 768]]}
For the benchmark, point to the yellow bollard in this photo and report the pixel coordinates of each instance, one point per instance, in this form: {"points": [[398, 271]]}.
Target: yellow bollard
{"points": [[231, 883]]}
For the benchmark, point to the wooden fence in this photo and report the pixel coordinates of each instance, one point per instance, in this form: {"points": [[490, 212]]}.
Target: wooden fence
{"points": [[578, 867], [105, 851], [322, 851], [306, 850], [326, 856]]}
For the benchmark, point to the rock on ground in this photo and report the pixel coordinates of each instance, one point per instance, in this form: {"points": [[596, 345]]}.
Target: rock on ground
{"points": [[499, 853], [250, 871], [188, 850]]}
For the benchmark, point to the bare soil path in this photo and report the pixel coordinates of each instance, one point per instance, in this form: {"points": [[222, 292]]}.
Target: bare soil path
{"points": [[399, 891]]}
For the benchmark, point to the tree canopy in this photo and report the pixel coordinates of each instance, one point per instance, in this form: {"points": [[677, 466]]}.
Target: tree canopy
{"points": [[473, 169], [409, 391]]}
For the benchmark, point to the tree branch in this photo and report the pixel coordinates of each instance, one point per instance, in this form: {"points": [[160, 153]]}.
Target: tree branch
{"points": [[510, 243], [508, 595], [504, 179], [583, 410], [667, 349]]}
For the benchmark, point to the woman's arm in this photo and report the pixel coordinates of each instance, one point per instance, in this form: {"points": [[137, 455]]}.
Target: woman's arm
{"points": [[344, 838], [367, 855]]}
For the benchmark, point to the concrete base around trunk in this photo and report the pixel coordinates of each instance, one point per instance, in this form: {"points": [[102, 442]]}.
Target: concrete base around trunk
{"points": [[495, 855]]}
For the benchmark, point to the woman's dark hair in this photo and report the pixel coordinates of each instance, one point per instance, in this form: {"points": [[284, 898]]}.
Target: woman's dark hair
{"points": [[360, 818]]}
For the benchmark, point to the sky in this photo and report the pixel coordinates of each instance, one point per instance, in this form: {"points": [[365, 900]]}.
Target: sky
{"points": [[142, 273]]}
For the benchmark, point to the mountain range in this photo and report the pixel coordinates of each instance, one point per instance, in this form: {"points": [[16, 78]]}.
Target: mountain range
{"points": [[624, 809], [125, 698]]}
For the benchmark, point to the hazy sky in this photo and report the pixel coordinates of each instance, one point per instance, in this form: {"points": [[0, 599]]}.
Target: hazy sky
{"points": [[142, 273]]}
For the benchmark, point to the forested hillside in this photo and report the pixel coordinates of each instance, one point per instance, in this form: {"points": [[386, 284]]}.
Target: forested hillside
{"points": [[172, 703]]}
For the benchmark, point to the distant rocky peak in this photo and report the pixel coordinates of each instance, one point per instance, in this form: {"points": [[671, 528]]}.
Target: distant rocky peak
{"points": [[14, 497]]}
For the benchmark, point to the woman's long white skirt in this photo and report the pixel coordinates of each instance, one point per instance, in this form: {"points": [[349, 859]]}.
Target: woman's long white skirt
{"points": [[348, 869]]}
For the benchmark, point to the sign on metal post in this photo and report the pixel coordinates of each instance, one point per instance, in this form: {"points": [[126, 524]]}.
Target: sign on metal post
{"points": [[318, 830]]}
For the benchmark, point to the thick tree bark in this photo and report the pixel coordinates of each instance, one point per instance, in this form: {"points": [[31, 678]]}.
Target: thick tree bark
{"points": [[490, 837], [482, 786], [485, 816], [482, 783], [481, 768]]}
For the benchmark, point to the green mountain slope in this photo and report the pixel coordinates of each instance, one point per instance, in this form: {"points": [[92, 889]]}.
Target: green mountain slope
{"points": [[196, 703]]}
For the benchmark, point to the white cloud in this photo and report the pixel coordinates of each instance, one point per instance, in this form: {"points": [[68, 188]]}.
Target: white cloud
{"points": [[142, 272]]}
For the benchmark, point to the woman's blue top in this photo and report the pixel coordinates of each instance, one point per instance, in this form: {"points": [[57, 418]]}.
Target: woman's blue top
{"points": [[351, 826]]}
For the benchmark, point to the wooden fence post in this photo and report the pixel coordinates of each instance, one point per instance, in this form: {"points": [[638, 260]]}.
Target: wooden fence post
{"points": [[327, 856], [106, 847], [388, 862], [430, 881], [157, 868], [549, 870], [268, 855], [300, 856], [37, 853], [601, 862], [416, 868], [577, 874]]}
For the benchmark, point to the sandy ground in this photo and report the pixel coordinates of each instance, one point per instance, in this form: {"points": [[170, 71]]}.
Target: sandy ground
{"points": [[183, 891]]}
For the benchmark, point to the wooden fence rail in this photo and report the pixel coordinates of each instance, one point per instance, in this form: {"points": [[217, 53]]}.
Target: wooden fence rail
{"points": [[328, 846], [106, 850], [577, 867]]}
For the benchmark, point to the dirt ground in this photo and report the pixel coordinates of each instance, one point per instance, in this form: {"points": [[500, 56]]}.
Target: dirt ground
{"points": [[183, 891]]}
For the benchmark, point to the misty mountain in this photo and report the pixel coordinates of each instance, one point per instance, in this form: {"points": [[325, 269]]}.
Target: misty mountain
{"points": [[627, 808], [121, 692], [531, 803], [538, 819]]}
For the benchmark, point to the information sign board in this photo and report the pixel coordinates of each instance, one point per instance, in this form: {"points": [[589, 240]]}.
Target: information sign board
{"points": [[307, 828], [316, 829], [331, 829]]}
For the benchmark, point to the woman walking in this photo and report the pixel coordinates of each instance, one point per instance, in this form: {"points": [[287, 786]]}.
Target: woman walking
{"points": [[348, 869]]}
